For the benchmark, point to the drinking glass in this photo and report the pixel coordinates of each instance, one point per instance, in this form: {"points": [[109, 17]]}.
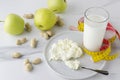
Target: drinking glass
{"points": [[95, 23]]}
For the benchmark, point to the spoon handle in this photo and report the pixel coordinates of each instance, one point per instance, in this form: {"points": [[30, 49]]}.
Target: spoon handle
{"points": [[98, 71]]}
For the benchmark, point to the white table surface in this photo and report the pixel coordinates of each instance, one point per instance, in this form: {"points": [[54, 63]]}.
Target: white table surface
{"points": [[14, 69]]}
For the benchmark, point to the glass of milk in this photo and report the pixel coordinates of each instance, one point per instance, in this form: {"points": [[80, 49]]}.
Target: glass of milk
{"points": [[95, 23]]}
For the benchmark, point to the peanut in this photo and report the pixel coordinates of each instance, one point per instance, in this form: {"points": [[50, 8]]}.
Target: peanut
{"points": [[36, 61], [33, 43], [16, 55], [28, 67], [26, 61], [23, 40], [45, 35], [41, 33], [58, 18], [59, 21], [28, 27], [18, 42], [28, 16], [49, 33]]}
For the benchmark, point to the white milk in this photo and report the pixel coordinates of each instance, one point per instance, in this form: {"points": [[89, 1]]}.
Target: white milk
{"points": [[94, 30]]}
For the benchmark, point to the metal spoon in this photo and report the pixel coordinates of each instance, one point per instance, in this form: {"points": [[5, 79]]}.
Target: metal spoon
{"points": [[98, 71]]}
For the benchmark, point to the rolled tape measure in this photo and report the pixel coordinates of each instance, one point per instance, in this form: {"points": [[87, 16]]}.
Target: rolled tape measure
{"points": [[105, 50]]}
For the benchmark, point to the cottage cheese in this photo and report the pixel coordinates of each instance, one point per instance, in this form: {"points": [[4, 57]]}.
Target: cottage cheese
{"points": [[73, 64], [65, 50]]}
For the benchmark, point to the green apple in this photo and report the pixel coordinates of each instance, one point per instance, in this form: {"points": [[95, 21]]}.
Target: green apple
{"points": [[14, 24], [57, 6], [44, 19]]}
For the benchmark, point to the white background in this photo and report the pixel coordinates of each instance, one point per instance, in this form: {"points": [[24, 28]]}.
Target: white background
{"points": [[14, 69]]}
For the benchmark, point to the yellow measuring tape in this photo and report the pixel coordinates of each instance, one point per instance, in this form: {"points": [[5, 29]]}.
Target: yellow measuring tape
{"points": [[99, 55]]}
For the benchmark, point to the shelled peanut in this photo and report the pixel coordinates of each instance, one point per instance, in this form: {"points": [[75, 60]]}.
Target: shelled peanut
{"points": [[16, 55], [28, 16], [46, 34], [18, 42], [28, 67], [28, 27], [29, 64], [21, 41], [59, 21], [33, 43], [26, 61], [36, 61]]}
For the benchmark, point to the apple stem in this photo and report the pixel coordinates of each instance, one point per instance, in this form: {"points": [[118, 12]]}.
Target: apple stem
{"points": [[2, 21]]}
